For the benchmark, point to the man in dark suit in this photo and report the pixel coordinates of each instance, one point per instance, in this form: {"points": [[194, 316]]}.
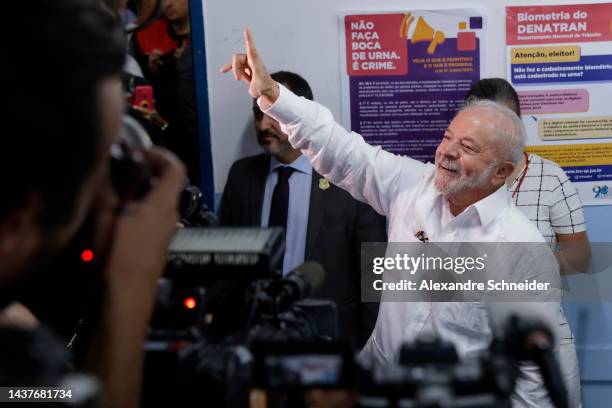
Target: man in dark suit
{"points": [[323, 223]]}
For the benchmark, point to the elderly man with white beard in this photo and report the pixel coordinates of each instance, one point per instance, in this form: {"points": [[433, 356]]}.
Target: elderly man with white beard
{"points": [[462, 198]]}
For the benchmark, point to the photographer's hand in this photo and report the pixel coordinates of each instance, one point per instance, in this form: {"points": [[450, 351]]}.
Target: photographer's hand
{"points": [[18, 316], [144, 228], [137, 259], [250, 68]]}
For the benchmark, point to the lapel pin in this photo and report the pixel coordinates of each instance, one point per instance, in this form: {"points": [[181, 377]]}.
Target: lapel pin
{"points": [[323, 184], [420, 235]]}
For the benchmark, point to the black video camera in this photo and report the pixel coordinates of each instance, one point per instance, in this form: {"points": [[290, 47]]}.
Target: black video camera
{"points": [[221, 295]]}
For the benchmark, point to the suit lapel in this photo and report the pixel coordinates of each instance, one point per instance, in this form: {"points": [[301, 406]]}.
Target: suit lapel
{"points": [[258, 186], [316, 213]]}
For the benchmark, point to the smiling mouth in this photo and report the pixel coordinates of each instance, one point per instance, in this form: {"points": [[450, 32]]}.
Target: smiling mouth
{"points": [[449, 169]]}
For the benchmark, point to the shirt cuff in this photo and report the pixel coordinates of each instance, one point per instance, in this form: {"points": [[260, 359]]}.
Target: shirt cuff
{"points": [[286, 109]]}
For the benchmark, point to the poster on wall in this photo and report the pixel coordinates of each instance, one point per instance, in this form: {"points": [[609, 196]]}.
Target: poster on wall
{"points": [[559, 59], [405, 74]]}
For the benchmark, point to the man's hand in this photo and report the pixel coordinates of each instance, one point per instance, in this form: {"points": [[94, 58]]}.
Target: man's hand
{"points": [[250, 68], [144, 229], [141, 236], [18, 316]]}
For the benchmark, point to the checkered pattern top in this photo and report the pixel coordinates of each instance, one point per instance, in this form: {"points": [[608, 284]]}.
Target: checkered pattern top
{"points": [[548, 198]]}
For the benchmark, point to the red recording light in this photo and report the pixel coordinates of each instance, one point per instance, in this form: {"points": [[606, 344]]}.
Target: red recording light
{"points": [[87, 255], [189, 303]]}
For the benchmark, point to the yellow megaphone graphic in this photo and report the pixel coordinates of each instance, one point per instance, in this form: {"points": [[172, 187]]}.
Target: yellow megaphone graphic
{"points": [[424, 32]]}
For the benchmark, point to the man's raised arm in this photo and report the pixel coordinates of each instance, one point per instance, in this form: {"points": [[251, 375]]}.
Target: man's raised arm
{"points": [[369, 173]]}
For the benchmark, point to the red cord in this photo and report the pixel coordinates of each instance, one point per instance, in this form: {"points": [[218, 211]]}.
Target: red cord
{"points": [[520, 182]]}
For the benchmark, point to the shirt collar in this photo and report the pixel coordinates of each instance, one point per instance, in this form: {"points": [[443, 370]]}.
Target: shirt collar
{"points": [[487, 208], [492, 205], [300, 164]]}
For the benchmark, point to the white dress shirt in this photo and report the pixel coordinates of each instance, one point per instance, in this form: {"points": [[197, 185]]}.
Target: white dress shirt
{"points": [[403, 189]]}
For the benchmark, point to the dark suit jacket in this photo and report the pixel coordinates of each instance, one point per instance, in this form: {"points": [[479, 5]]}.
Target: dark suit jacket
{"points": [[337, 225]]}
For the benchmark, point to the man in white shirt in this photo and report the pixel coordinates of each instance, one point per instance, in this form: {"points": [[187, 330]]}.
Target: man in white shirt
{"points": [[462, 198]]}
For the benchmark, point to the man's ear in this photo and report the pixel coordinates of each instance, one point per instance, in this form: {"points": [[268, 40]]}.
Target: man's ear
{"points": [[504, 170], [20, 230]]}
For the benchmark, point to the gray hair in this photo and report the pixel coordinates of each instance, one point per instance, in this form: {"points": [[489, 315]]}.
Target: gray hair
{"points": [[510, 132]]}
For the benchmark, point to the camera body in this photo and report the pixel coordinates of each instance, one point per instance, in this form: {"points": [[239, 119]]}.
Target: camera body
{"points": [[239, 299]]}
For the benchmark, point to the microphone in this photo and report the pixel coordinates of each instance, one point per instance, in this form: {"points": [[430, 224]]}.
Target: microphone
{"points": [[526, 333], [300, 283], [500, 314]]}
